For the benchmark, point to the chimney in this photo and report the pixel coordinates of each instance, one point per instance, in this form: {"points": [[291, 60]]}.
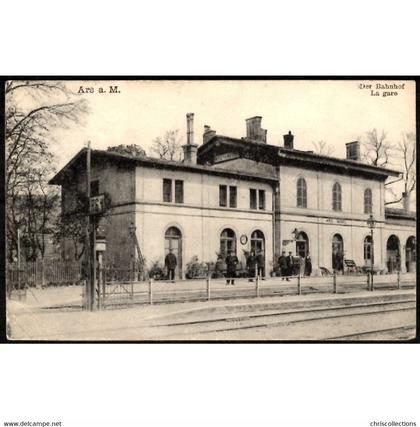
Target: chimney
{"points": [[406, 201], [208, 134], [254, 130], [288, 140], [190, 149], [353, 151]]}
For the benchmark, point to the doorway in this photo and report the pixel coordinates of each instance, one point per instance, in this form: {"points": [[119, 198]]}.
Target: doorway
{"points": [[173, 241], [410, 254], [393, 255]]}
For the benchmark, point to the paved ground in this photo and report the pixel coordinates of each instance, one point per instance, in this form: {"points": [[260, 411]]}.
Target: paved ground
{"points": [[55, 314]]}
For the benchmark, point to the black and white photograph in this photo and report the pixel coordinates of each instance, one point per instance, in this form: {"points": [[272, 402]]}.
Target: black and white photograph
{"points": [[210, 210]]}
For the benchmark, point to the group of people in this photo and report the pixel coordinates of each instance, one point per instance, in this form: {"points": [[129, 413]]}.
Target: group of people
{"points": [[290, 266], [255, 263]]}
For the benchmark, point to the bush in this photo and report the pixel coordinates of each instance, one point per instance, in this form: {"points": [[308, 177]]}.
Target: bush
{"points": [[156, 270], [195, 269]]}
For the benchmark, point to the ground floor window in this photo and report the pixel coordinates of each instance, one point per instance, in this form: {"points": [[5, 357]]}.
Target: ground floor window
{"points": [[367, 250], [257, 241], [302, 245], [227, 241]]}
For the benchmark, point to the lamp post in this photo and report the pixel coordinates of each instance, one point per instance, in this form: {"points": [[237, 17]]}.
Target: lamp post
{"points": [[371, 224]]}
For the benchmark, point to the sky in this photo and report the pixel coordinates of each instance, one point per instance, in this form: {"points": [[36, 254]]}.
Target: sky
{"points": [[336, 111]]}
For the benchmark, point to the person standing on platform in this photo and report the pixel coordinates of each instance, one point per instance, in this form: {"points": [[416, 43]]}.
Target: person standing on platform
{"points": [[308, 265], [283, 266], [231, 263], [290, 265], [170, 264], [250, 264], [261, 264]]}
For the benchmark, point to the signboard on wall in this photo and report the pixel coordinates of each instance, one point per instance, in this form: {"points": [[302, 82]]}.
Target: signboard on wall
{"points": [[96, 204]]}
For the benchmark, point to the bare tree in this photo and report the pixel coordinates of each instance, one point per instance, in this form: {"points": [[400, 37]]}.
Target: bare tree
{"points": [[169, 146], [33, 110], [377, 150], [406, 152], [321, 147]]}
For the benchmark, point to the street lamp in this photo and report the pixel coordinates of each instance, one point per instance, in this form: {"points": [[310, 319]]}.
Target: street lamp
{"points": [[371, 224]]}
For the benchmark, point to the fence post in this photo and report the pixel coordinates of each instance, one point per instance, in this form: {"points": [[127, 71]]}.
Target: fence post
{"points": [[42, 273], [150, 291], [334, 282], [398, 279], [257, 286], [298, 285], [208, 279]]}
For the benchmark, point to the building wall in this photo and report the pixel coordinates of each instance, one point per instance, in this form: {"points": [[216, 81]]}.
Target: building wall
{"points": [[200, 218], [118, 181], [319, 193]]}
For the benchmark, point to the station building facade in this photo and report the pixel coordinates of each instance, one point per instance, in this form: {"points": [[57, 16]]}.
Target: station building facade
{"points": [[243, 194]]}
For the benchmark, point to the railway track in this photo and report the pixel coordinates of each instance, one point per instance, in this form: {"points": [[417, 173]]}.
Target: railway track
{"points": [[401, 332], [274, 319]]}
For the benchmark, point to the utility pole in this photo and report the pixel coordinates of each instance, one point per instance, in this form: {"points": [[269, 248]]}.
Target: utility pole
{"points": [[88, 293], [18, 255]]}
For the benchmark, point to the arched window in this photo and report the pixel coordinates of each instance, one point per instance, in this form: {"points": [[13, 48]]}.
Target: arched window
{"points": [[227, 241], [257, 241], [301, 193], [336, 197], [368, 201], [302, 244], [367, 249]]}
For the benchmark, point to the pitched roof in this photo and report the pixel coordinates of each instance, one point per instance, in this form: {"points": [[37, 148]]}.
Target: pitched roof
{"points": [[283, 155], [60, 177], [398, 213]]}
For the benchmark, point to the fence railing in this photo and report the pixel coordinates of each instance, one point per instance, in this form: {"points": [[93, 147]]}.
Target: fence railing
{"points": [[114, 294], [43, 273]]}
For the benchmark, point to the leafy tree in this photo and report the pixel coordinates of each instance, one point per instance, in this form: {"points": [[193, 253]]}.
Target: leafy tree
{"points": [[33, 110], [133, 150]]}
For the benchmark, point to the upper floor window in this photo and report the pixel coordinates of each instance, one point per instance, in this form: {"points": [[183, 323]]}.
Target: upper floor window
{"points": [[94, 188], [336, 197], [232, 197], [167, 190], [261, 199], [252, 198], [301, 193], [222, 195], [179, 191], [256, 199], [368, 201]]}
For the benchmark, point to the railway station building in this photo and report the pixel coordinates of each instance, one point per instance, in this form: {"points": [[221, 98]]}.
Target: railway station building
{"points": [[243, 194]]}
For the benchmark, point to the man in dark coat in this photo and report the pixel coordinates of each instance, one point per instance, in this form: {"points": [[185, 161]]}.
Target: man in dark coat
{"points": [[250, 264], [261, 264], [170, 264], [290, 265], [283, 265], [308, 265], [231, 263]]}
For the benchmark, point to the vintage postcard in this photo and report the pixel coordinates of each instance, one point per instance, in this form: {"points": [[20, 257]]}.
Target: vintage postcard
{"points": [[215, 210]]}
